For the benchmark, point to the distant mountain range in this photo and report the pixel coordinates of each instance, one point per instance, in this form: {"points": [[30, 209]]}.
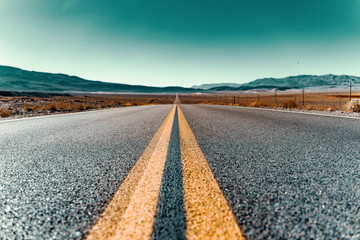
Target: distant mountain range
{"points": [[16, 79], [293, 82], [214, 85]]}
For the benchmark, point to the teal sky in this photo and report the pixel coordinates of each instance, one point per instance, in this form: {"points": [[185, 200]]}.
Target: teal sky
{"points": [[162, 42]]}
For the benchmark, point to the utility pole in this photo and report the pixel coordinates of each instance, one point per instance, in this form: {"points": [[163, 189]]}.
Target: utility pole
{"points": [[350, 90]]}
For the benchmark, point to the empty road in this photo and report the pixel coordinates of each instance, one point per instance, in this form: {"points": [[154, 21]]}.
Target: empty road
{"points": [[188, 172]]}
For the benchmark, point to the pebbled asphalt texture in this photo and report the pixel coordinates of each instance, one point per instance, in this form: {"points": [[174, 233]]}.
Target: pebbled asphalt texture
{"points": [[285, 175], [58, 173]]}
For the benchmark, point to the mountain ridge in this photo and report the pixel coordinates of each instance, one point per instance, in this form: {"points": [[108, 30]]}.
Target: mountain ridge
{"points": [[291, 82], [16, 79]]}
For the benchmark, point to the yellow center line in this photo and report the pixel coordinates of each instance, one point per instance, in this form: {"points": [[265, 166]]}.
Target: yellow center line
{"points": [[208, 215], [131, 212]]}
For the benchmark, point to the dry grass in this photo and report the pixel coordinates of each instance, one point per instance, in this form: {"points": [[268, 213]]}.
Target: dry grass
{"points": [[32, 106], [257, 103], [6, 113], [289, 104], [353, 105], [129, 104], [59, 106]]}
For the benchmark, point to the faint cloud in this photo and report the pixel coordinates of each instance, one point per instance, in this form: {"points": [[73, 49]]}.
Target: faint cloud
{"points": [[70, 4]]}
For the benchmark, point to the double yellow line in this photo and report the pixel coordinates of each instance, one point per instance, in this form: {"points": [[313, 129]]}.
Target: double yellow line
{"points": [[130, 214]]}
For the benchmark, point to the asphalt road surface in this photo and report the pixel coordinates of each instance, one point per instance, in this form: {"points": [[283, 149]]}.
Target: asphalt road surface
{"points": [[280, 175], [59, 172], [285, 175]]}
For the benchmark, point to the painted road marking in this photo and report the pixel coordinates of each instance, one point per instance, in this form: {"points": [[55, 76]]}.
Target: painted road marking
{"points": [[130, 214], [208, 215], [169, 222]]}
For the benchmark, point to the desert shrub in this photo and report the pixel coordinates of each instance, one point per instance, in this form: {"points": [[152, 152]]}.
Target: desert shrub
{"points": [[83, 106], [243, 104], [58, 106], [109, 103], [310, 107], [129, 104], [30, 108], [6, 113], [51, 107], [327, 108], [353, 105], [79, 107], [289, 104], [8, 99], [27, 108], [257, 104], [37, 107]]}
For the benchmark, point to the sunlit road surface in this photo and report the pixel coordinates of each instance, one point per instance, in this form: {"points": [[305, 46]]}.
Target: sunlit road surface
{"points": [[180, 172]]}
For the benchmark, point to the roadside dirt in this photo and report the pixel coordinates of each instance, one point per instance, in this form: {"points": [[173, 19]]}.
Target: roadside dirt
{"points": [[38, 104]]}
